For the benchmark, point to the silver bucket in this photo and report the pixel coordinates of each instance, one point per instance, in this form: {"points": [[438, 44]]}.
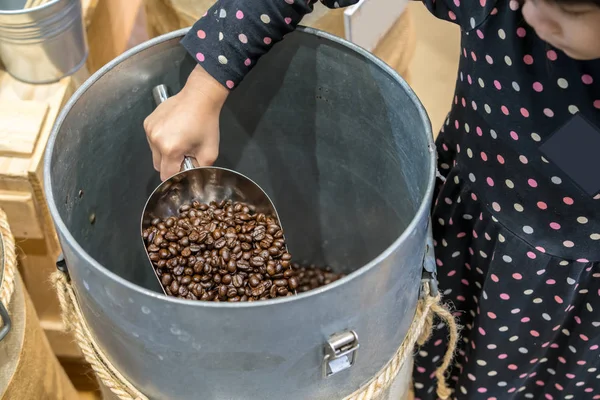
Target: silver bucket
{"points": [[343, 147], [42, 44]]}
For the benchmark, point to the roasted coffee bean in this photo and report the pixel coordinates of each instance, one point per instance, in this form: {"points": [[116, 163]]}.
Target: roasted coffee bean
{"points": [[225, 251]]}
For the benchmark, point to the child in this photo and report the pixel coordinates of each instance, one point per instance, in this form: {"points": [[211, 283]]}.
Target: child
{"points": [[516, 220]]}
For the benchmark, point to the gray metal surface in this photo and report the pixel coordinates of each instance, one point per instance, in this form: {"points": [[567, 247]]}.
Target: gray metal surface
{"points": [[42, 44], [344, 149]]}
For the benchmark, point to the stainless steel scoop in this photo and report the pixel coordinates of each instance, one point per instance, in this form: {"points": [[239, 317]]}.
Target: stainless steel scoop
{"points": [[204, 184]]}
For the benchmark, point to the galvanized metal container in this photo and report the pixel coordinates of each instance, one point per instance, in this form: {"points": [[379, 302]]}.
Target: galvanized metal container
{"points": [[343, 147], [42, 44]]}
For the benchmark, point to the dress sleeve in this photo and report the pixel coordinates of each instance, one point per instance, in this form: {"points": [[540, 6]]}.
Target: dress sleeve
{"points": [[467, 13], [233, 34]]}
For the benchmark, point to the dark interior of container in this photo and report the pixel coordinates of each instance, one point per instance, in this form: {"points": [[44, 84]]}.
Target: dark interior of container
{"points": [[334, 140]]}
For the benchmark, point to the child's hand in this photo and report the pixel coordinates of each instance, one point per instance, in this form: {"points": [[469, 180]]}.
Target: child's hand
{"points": [[187, 124]]}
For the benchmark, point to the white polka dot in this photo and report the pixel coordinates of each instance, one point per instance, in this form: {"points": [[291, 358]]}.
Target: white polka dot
{"points": [[523, 350], [544, 159], [568, 243], [521, 389], [419, 385], [220, 35], [507, 258], [523, 159], [336, 5], [222, 13], [566, 332], [529, 395], [487, 108], [493, 134], [573, 349], [265, 18], [513, 338], [222, 59], [536, 137], [472, 22], [501, 34], [508, 61], [492, 346], [556, 180], [562, 83], [537, 300], [516, 86], [573, 109], [492, 373], [527, 229], [515, 311], [472, 177], [510, 183], [482, 254], [468, 217], [569, 397], [563, 263], [519, 208], [528, 292], [496, 206], [582, 220], [481, 83], [467, 128], [463, 390], [503, 328], [595, 236], [546, 317], [589, 307], [502, 383], [501, 238], [551, 371], [470, 153]]}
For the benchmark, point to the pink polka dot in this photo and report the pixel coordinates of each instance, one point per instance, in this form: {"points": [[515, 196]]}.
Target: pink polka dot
{"points": [[521, 32], [568, 201], [502, 356], [287, 20], [583, 337], [500, 159], [490, 181], [481, 331], [541, 205], [577, 319], [229, 84], [514, 135], [594, 347], [482, 390], [551, 54], [538, 87], [512, 367], [480, 34], [531, 255], [491, 315], [517, 276], [484, 156], [470, 80], [549, 396], [494, 278], [457, 3], [479, 131], [489, 59], [239, 14], [558, 299], [421, 370], [570, 376], [452, 273], [587, 79], [243, 38], [201, 34], [550, 282], [473, 56], [581, 362], [539, 383], [534, 333], [532, 182], [540, 249], [267, 40], [548, 112], [597, 104], [524, 112], [528, 59], [482, 3], [525, 320], [561, 359], [504, 110], [555, 225], [504, 296], [200, 57], [498, 85], [558, 386], [247, 62], [452, 16]]}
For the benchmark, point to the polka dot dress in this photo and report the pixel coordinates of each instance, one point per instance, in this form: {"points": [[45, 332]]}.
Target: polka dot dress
{"points": [[517, 240]]}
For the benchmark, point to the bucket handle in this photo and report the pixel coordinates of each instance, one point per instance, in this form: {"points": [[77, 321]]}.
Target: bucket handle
{"points": [[429, 274], [5, 319]]}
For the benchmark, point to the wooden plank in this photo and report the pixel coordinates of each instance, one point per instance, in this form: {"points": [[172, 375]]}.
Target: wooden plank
{"points": [[22, 215], [21, 122]]}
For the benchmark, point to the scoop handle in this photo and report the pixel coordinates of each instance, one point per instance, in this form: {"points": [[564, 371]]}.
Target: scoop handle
{"points": [[161, 94]]}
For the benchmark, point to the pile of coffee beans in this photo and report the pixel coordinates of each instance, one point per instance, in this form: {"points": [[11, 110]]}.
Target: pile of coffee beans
{"points": [[226, 252]]}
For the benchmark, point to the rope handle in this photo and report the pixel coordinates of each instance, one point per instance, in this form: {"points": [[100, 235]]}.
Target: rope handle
{"points": [[7, 285]]}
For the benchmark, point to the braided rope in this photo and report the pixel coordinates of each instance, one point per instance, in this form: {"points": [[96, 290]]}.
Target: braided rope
{"points": [[419, 332], [7, 286]]}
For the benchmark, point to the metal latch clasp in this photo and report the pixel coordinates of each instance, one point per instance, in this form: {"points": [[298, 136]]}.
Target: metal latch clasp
{"points": [[340, 352]]}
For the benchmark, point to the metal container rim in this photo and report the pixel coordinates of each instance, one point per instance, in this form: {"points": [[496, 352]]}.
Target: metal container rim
{"points": [[31, 10], [422, 212]]}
